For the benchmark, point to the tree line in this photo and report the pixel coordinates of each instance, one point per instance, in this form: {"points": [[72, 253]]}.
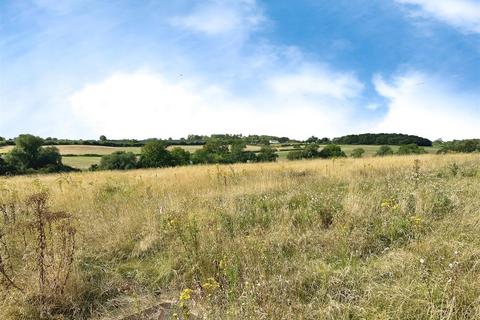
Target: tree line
{"points": [[155, 154], [312, 151], [395, 139], [357, 139], [464, 146]]}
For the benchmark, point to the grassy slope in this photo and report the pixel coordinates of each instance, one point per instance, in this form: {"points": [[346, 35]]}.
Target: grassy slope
{"points": [[358, 239]]}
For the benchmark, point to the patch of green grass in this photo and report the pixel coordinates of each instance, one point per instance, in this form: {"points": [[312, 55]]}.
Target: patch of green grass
{"points": [[80, 162]]}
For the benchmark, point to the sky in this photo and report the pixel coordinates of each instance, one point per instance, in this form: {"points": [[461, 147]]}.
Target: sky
{"points": [[161, 68]]}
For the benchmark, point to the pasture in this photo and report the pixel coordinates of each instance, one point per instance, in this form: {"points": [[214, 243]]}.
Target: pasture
{"points": [[373, 238]]}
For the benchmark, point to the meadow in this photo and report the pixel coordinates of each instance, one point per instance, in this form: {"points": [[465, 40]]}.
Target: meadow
{"points": [[373, 238]]}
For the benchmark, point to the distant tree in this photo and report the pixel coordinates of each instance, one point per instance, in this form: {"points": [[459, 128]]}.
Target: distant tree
{"points": [[466, 146], [202, 156], [215, 150], [410, 149], [295, 155], [267, 154], [119, 160], [3, 141], [28, 155], [332, 151], [312, 139], [180, 156], [283, 139], [311, 151], [357, 153], [103, 138], [155, 155], [384, 151], [237, 152], [49, 157], [26, 151]]}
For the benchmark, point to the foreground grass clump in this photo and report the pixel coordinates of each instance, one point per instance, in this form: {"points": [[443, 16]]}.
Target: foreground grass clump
{"points": [[379, 238]]}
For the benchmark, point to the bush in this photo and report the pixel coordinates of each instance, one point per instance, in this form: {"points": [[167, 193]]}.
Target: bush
{"points": [[410, 149], [267, 154], [3, 167], [155, 155], [295, 155], [119, 160], [384, 151], [29, 156], [332, 151], [180, 156], [357, 153], [311, 151]]}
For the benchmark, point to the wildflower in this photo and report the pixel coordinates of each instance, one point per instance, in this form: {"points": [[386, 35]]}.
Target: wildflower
{"points": [[186, 295], [385, 204], [210, 286], [422, 261]]}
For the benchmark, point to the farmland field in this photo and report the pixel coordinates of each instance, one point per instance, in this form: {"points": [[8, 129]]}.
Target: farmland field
{"points": [[374, 238], [80, 162], [84, 149]]}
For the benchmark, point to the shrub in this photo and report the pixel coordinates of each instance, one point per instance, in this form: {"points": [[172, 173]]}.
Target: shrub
{"points": [[267, 154], [410, 149], [155, 155], [357, 153], [384, 151], [332, 151], [180, 156], [311, 151], [295, 155], [119, 160], [28, 155]]}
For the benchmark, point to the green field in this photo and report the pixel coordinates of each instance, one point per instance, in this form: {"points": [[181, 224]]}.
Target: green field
{"points": [[80, 162]]}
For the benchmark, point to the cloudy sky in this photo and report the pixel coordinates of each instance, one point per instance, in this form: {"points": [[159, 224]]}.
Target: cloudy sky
{"points": [[161, 68]]}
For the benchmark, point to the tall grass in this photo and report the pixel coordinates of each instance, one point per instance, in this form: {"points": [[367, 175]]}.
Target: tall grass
{"points": [[376, 238]]}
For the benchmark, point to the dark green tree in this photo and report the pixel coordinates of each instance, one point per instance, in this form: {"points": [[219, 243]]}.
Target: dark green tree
{"points": [[384, 151], [410, 149], [180, 156], [4, 169], [267, 154], [155, 155], [332, 151], [311, 151], [119, 160]]}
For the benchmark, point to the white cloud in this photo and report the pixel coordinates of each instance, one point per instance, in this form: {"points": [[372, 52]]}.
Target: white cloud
{"points": [[317, 81], [463, 14], [145, 104], [425, 105], [221, 17]]}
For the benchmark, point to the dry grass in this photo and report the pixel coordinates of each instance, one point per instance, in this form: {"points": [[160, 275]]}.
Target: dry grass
{"points": [[375, 238]]}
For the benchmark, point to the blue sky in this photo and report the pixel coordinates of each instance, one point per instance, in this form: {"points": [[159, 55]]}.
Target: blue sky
{"points": [[138, 69]]}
